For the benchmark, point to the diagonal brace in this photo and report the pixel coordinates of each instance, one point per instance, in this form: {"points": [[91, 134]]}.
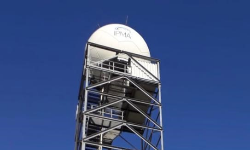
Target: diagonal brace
{"points": [[143, 113], [102, 132], [103, 106], [145, 140]]}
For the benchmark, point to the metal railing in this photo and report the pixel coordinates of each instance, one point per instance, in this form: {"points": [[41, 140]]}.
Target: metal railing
{"points": [[120, 67], [110, 112], [111, 65]]}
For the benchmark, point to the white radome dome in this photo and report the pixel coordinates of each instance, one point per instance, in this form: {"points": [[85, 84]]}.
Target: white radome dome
{"points": [[117, 36]]}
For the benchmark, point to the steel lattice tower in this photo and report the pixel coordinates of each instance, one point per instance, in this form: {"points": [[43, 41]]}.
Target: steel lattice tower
{"points": [[117, 96]]}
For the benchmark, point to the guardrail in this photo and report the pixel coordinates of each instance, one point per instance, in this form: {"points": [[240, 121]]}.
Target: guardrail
{"points": [[110, 112]]}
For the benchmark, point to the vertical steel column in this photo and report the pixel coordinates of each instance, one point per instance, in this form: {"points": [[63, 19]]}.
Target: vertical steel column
{"points": [[85, 99], [160, 107]]}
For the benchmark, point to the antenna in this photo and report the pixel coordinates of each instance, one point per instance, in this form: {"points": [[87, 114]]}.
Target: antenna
{"points": [[126, 23]]}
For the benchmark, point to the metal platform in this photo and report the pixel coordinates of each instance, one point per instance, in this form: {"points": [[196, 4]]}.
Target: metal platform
{"points": [[119, 95]]}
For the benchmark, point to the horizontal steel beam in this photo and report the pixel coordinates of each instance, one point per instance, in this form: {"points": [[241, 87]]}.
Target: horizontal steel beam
{"points": [[118, 97], [122, 74], [122, 51], [102, 132], [104, 82], [118, 120], [130, 80], [102, 106]]}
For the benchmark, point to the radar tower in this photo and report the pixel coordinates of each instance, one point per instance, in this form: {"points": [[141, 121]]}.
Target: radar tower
{"points": [[119, 102]]}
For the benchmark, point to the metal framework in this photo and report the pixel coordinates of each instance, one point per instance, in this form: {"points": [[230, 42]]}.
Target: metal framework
{"points": [[109, 105]]}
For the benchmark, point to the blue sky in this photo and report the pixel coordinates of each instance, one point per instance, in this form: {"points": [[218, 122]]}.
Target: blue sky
{"points": [[204, 51]]}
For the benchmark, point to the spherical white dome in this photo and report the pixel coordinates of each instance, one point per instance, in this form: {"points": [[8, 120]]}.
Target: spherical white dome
{"points": [[117, 36]]}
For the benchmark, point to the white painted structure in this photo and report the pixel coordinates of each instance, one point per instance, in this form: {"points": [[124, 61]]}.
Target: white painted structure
{"points": [[119, 92], [122, 37], [117, 36]]}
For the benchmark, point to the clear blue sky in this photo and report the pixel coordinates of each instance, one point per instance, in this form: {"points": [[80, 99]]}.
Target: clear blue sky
{"points": [[204, 50]]}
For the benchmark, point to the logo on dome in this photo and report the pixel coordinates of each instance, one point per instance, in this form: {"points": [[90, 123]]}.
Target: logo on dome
{"points": [[122, 32]]}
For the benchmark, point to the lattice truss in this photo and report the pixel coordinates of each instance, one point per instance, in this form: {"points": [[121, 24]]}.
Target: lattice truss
{"points": [[118, 109]]}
